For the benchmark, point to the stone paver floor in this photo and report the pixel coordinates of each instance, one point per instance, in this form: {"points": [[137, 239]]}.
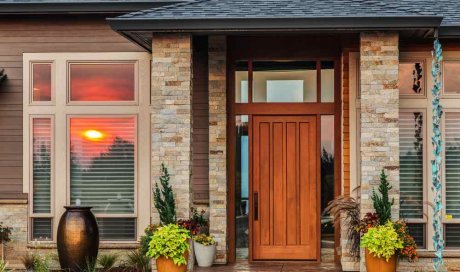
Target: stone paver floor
{"points": [[244, 266]]}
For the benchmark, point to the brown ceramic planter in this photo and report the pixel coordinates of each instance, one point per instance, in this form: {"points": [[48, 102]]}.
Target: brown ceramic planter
{"points": [[77, 238], [374, 264], [167, 265]]}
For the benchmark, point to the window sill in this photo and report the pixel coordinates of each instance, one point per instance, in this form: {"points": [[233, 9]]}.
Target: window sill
{"points": [[449, 253], [102, 245]]}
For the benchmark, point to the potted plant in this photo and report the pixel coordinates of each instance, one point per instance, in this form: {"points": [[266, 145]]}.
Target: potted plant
{"points": [[170, 248], [205, 249], [381, 245], [5, 233]]}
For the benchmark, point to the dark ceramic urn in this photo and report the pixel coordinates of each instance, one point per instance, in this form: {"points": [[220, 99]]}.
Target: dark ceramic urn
{"points": [[77, 238]]}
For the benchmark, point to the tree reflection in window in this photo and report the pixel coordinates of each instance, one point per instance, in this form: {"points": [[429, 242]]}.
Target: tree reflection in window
{"points": [[102, 170]]}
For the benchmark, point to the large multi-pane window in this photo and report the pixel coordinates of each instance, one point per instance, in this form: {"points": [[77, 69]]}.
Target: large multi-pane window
{"points": [[415, 129], [415, 176], [85, 146]]}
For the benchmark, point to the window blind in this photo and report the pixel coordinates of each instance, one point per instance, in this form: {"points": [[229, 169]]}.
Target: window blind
{"points": [[102, 165], [452, 235], [411, 164], [118, 229], [452, 183], [41, 169], [42, 229], [418, 232]]}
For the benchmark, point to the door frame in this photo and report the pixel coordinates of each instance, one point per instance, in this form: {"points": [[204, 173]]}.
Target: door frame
{"points": [[303, 50]]}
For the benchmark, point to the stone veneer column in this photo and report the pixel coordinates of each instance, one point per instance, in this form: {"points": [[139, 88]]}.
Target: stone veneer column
{"points": [[218, 145], [171, 115], [379, 116]]}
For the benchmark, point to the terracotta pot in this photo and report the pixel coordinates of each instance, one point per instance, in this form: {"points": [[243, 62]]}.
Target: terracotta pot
{"points": [[167, 265], [374, 264], [77, 238]]}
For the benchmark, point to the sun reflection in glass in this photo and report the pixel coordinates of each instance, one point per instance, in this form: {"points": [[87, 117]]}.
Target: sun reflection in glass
{"points": [[93, 135]]}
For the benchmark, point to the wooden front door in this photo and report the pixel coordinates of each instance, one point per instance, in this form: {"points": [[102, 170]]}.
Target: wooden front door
{"points": [[284, 170]]}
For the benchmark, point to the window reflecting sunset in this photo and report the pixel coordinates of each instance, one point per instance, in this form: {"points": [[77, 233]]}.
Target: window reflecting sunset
{"points": [[102, 82], [41, 81], [102, 163]]}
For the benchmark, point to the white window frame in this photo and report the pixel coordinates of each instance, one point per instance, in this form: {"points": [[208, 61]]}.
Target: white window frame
{"points": [[60, 111]]}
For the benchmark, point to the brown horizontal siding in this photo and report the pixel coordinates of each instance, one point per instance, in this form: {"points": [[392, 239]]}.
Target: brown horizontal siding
{"points": [[200, 161], [39, 35]]}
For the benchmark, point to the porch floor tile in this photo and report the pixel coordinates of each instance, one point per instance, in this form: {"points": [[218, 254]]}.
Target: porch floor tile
{"points": [[244, 266]]}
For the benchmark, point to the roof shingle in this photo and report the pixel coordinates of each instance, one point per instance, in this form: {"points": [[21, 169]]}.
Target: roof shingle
{"points": [[215, 9]]}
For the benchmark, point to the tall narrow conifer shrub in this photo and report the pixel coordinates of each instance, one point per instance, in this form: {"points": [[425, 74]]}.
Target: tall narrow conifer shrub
{"points": [[382, 203], [164, 199]]}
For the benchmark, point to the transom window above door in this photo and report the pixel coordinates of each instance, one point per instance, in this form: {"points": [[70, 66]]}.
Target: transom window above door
{"points": [[284, 81]]}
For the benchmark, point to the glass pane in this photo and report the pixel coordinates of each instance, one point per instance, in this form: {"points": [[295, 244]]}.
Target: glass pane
{"points": [[451, 77], [452, 232], [41, 82], [418, 232], [284, 81], [102, 166], [117, 229], [411, 163], [242, 186], [327, 81], [411, 78], [241, 82], [42, 229], [452, 134], [102, 82], [41, 152], [327, 176]]}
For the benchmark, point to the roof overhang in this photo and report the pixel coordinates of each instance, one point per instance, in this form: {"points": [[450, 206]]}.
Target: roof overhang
{"points": [[80, 7], [139, 29], [449, 31]]}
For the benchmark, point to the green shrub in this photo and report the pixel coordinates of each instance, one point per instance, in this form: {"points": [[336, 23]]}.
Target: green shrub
{"points": [[107, 262], [382, 241], [205, 240], [170, 241], [164, 199], [3, 266], [138, 261], [35, 262], [382, 203]]}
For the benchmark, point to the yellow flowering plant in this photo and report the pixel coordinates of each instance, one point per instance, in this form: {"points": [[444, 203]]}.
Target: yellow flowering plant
{"points": [[382, 241], [170, 241]]}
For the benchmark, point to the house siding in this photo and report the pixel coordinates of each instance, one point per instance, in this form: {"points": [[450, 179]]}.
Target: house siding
{"points": [[200, 111], [39, 35]]}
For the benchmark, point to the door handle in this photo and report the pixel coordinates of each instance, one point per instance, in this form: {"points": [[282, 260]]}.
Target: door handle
{"points": [[256, 206]]}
